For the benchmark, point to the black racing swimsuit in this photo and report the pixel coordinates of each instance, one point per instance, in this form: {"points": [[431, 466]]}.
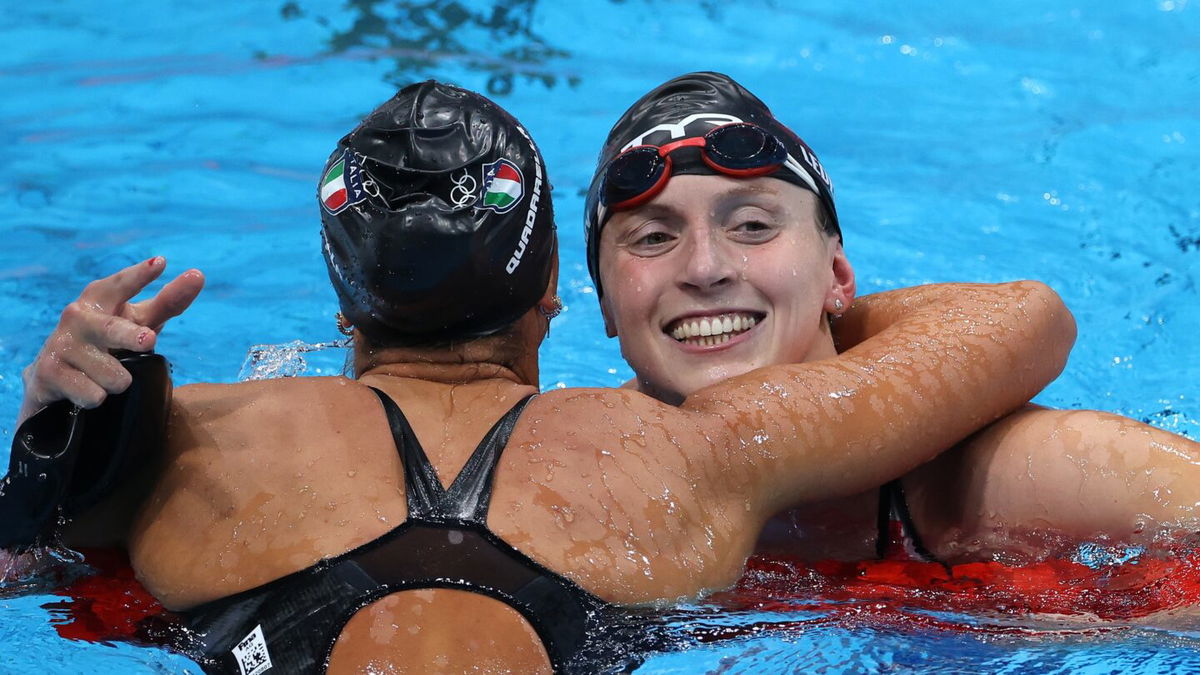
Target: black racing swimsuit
{"points": [[292, 623]]}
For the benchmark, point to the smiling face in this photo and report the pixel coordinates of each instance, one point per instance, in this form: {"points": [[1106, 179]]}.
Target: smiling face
{"points": [[717, 276]]}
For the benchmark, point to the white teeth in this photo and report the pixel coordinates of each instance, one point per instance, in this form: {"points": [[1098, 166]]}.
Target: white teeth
{"points": [[710, 331]]}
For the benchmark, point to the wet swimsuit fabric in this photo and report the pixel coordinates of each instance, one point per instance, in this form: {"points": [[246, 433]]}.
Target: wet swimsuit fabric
{"points": [[293, 622], [897, 536]]}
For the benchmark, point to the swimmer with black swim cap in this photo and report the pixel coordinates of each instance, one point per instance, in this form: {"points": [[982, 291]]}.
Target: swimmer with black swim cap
{"points": [[437, 220], [683, 171], [697, 124], [361, 524]]}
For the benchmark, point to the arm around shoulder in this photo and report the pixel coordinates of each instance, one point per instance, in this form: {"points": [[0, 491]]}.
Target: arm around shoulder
{"points": [[939, 363], [873, 313]]}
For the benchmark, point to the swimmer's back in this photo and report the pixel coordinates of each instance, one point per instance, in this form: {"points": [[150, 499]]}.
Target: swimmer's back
{"points": [[266, 478]]}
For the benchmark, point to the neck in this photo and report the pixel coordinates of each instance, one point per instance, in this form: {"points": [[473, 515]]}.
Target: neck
{"points": [[468, 362], [823, 347]]}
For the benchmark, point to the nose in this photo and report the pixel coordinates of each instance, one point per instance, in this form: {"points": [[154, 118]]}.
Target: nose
{"points": [[709, 264]]}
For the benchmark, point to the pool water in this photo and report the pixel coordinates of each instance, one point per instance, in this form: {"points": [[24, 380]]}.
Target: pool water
{"points": [[984, 141]]}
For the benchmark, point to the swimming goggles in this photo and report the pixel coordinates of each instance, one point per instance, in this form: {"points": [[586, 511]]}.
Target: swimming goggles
{"points": [[740, 149]]}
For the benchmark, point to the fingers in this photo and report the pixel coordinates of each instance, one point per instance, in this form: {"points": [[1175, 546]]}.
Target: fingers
{"points": [[169, 302], [51, 379], [82, 327], [99, 367], [78, 366], [109, 293], [75, 363]]}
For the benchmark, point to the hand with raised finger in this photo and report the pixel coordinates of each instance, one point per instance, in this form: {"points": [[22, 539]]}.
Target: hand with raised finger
{"points": [[76, 361]]}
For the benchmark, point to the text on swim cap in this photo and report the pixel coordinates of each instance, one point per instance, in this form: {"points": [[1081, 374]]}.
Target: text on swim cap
{"points": [[531, 216]]}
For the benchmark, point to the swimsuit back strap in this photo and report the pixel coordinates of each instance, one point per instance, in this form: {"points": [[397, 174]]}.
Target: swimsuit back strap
{"points": [[422, 487], [471, 493]]}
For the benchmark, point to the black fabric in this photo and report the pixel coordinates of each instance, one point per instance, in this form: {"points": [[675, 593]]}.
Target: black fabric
{"points": [[444, 543], [415, 247], [893, 506], [64, 459]]}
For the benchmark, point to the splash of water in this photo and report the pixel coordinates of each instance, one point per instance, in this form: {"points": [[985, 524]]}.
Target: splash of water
{"points": [[266, 362], [39, 568]]}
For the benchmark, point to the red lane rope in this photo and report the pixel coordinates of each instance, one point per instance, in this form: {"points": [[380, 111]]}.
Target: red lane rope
{"points": [[112, 606], [1116, 592]]}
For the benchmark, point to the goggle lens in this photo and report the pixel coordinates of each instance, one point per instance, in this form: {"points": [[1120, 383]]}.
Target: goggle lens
{"points": [[744, 146], [634, 172], [740, 149]]}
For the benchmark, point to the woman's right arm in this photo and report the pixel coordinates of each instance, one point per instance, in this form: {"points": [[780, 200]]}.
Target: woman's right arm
{"points": [[941, 362]]}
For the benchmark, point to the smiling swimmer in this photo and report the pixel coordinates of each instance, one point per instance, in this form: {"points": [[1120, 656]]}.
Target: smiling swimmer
{"points": [[716, 249]]}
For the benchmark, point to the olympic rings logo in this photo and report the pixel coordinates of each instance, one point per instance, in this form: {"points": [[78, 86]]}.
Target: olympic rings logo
{"points": [[463, 192]]}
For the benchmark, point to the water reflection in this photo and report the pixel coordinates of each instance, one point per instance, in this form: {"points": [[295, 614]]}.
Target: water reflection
{"points": [[494, 38]]}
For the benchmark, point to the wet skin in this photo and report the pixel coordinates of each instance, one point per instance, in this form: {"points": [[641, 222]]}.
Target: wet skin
{"points": [[712, 245], [636, 500]]}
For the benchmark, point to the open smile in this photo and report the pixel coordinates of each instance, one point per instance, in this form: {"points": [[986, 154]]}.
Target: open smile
{"points": [[709, 331]]}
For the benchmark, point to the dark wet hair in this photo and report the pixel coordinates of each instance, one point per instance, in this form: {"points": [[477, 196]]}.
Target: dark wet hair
{"points": [[436, 219]]}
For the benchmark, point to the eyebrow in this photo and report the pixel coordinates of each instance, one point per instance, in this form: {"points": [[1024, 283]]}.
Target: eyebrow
{"points": [[644, 212], [740, 191], [756, 195]]}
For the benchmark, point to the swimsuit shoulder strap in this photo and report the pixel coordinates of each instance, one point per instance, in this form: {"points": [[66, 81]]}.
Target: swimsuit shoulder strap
{"points": [[422, 487], [470, 494]]}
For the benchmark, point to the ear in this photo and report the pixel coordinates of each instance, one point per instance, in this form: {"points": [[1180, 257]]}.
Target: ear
{"points": [[843, 287]]}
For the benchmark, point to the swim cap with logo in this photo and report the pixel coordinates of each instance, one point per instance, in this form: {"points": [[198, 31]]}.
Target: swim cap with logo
{"points": [[436, 217], [690, 106]]}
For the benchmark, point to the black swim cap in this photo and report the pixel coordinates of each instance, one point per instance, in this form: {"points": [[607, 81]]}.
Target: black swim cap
{"points": [[436, 217], [687, 106]]}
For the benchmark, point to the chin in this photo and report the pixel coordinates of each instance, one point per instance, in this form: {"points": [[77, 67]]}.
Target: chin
{"points": [[696, 384]]}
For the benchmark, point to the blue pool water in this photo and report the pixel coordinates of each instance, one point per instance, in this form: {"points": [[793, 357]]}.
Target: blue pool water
{"points": [[985, 141]]}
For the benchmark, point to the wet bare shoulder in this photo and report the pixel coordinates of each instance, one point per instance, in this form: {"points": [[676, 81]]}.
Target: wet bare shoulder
{"points": [[623, 494], [260, 405], [611, 418], [625, 430]]}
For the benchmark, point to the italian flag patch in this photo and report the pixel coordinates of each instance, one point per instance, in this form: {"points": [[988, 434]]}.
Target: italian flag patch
{"points": [[342, 184], [503, 186]]}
